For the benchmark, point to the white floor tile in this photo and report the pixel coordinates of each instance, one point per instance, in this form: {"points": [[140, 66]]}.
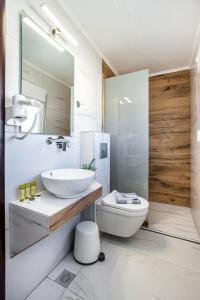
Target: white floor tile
{"points": [[47, 290], [127, 274], [173, 220], [70, 296], [69, 264], [172, 209], [148, 266], [176, 251]]}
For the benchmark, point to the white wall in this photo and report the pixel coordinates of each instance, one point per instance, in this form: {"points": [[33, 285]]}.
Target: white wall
{"points": [[25, 160], [195, 143]]}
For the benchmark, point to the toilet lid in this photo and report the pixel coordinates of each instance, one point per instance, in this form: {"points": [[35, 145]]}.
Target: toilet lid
{"points": [[110, 201]]}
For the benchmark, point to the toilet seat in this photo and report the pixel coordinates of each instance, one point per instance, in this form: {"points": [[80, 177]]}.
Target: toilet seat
{"points": [[111, 202], [122, 220]]}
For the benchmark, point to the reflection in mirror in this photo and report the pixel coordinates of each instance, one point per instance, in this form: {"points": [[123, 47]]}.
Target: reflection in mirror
{"points": [[47, 75]]}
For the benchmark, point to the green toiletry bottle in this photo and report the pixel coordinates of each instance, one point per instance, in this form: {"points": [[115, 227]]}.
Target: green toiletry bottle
{"points": [[33, 189], [27, 190], [22, 191]]}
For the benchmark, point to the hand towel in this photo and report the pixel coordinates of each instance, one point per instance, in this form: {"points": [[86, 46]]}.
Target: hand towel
{"points": [[129, 198]]}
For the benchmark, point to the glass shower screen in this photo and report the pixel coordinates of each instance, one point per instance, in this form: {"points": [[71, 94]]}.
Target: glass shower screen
{"points": [[127, 120]]}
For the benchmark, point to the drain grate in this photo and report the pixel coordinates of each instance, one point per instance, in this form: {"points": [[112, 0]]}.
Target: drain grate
{"points": [[65, 278]]}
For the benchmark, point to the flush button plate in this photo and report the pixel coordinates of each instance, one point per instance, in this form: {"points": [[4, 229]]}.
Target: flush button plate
{"points": [[103, 150]]}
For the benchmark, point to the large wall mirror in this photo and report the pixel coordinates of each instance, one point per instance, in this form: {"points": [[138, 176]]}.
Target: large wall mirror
{"points": [[47, 75]]}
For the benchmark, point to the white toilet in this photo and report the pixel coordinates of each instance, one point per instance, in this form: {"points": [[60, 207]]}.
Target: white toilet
{"points": [[122, 220]]}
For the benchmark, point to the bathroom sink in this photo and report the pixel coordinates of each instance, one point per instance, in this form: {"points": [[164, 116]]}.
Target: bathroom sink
{"points": [[67, 183]]}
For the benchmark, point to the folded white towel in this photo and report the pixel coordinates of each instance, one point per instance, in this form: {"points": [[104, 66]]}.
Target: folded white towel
{"points": [[128, 198]]}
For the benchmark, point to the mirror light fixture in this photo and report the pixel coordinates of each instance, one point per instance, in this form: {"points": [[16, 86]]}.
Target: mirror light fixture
{"points": [[53, 18], [42, 33]]}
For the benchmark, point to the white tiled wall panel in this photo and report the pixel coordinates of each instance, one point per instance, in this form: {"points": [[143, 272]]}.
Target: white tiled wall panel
{"points": [[25, 160]]}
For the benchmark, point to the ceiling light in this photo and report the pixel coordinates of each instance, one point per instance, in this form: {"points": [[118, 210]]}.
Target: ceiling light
{"points": [[121, 102], [53, 18], [43, 34], [128, 100]]}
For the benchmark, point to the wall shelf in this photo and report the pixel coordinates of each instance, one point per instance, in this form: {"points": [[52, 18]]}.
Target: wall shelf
{"points": [[32, 221]]}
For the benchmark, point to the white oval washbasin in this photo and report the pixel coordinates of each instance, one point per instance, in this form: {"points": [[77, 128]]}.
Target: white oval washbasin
{"points": [[67, 183]]}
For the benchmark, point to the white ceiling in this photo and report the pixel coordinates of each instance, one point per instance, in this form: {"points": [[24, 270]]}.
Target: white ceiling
{"points": [[139, 34]]}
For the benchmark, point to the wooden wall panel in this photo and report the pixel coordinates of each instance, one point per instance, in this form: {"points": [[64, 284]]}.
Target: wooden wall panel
{"points": [[106, 70], [169, 121]]}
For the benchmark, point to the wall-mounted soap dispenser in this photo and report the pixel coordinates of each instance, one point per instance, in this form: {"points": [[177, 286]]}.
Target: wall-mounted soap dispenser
{"points": [[17, 113]]}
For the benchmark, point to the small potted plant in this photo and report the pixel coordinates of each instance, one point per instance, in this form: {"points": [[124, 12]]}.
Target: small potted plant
{"points": [[90, 166]]}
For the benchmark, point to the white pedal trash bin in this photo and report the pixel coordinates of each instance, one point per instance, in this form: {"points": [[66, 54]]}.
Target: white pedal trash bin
{"points": [[87, 244]]}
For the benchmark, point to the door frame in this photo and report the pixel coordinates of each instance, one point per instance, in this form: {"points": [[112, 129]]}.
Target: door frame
{"points": [[2, 150]]}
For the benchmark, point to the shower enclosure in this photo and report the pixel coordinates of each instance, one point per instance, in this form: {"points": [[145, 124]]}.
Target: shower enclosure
{"points": [[159, 173], [127, 120]]}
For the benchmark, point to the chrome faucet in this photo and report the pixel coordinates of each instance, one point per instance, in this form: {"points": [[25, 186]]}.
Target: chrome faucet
{"points": [[61, 142]]}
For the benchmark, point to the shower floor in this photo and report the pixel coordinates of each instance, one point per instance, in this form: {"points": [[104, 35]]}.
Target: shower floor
{"points": [[173, 220]]}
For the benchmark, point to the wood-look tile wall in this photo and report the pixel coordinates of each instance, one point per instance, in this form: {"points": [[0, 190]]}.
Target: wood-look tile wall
{"points": [[169, 161]]}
